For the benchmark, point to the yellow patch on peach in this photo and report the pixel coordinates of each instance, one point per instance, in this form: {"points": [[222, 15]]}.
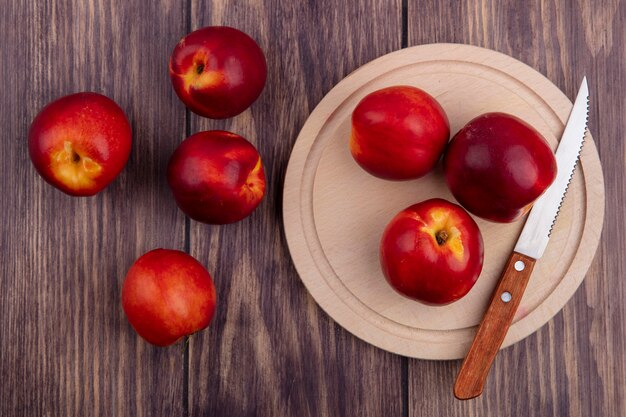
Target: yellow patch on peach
{"points": [[73, 169], [355, 149], [198, 76], [207, 79], [440, 222], [254, 186], [455, 242]]}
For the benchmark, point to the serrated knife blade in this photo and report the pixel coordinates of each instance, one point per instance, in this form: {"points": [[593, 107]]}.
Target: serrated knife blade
{"points": [[536, 232], [530, 246]]}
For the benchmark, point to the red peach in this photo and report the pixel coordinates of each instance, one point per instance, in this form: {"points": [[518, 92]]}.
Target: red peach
{"points": [[168, 295], [217, 71], [398, 133], [432, 252], [497, 165], [80, 143], [216, 177]]}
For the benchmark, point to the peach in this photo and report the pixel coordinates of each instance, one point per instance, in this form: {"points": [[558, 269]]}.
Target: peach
{"points": [[432, 252], [218, 71], [80, 143], [497, 165], [168, 295], [398, 133], [216, 177]]}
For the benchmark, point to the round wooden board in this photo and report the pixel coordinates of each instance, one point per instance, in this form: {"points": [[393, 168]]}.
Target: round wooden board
{"points": [[334, 212]]}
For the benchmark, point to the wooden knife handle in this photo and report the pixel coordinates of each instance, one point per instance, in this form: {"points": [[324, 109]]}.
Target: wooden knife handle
{"points": [[493, 327]]}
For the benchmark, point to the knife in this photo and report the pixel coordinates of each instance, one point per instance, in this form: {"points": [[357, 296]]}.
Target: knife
{"points": [[529, 248]]}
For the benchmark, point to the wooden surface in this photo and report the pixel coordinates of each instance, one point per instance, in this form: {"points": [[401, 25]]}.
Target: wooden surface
{"points": [[334, 212], [65, 346]]}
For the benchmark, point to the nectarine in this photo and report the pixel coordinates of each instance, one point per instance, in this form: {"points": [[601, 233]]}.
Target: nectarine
{"points": [[398, 133], [218, 71], [432, 252], [168, 295], [497, 165], [80, 143], [216, 177]]}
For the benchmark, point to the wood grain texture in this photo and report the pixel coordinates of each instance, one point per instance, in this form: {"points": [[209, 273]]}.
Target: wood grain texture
{"points": [[574, 365], [66, 348], [271, 351]]}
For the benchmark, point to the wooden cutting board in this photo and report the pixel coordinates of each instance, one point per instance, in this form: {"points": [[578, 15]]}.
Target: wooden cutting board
{"points": [[334, 212]]}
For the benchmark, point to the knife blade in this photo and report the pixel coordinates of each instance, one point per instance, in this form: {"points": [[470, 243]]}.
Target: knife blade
{"points": [[530, 246], [536, 232]]}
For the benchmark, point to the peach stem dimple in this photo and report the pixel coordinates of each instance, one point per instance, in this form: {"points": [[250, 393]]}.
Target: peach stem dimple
{"points": [[70, 153], [441, 236]]}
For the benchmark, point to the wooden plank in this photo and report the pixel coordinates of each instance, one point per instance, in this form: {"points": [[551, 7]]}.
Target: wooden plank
{"points": [[270, 349], [66, 347], [575, 364]]}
